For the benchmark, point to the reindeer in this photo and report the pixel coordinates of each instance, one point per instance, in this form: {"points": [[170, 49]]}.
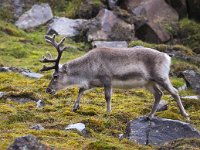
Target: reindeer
{"points": [[113, 68]]}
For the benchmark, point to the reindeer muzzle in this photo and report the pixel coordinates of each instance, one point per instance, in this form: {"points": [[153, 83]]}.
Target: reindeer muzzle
{"points": [[50, 91]]}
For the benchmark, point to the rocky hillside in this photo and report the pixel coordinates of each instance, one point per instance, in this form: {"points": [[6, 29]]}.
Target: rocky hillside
{"points": [[42, 120]]}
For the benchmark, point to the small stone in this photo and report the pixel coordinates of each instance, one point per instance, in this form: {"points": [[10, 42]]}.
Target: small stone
{"points": [[190, 97], [32, 75], [40, 104], [23, 71], [37, 127], [78, 126], [2, 94], [138, 46], [121, 136]]}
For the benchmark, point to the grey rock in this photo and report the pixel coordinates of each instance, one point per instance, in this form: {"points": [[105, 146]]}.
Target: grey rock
{"points": [[190, 97], [37, 127], [32, 75], [65, 26], [36, 16], [192, 79], [18, 7], [4, 69], [158, 131], [28, 142], [112, 3], [25, 72], [158, 15], [40, 104], [78, 126], [162, 106], [2, 94], [118, 44], [107, 26], [20, 100]]}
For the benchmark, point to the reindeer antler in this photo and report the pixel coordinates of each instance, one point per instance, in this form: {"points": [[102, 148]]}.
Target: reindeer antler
{"points": [[59, 49]]}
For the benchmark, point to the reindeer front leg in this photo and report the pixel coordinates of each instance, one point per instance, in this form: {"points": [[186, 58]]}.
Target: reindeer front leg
{"points": [[77, 102], [108, 95]]}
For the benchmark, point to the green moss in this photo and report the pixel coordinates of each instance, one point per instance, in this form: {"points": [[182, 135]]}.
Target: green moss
{"points": [[8, 28], [101, 145], [6, 109], [190, 34], [177, 82], [71, 8], [94, 124], [162, 47], [6, 12], [180, 65], [170, 115], [20, 116], [88, 111]]}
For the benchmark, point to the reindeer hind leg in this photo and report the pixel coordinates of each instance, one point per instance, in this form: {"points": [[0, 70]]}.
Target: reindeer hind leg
{"points": [[154, 89], [166, 84]]}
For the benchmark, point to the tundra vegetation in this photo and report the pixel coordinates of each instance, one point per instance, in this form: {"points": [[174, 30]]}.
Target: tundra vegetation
{"points": [[24, 49]]}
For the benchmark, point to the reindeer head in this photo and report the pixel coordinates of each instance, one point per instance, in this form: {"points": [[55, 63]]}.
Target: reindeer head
{"points": [[59, 79]]}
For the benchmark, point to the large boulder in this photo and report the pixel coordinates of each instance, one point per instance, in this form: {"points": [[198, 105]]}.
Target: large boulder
{"points": [[18, 7], [158, 131], [160, 17], [108, 27], [36, 16], [192, 79], [118, 44], [180, 6], [28, 142], [194, 9], [65, 26]]}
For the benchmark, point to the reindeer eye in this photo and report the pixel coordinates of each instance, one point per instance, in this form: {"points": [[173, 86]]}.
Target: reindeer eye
{"points": [[55, 76]]}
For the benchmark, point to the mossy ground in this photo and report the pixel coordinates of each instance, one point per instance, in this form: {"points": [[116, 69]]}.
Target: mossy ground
{"points": [[18, 48]]}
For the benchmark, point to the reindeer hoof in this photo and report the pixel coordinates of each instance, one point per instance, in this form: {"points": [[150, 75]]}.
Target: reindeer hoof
{"points": [[187, 119], [150, 116], [75, 108]]}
